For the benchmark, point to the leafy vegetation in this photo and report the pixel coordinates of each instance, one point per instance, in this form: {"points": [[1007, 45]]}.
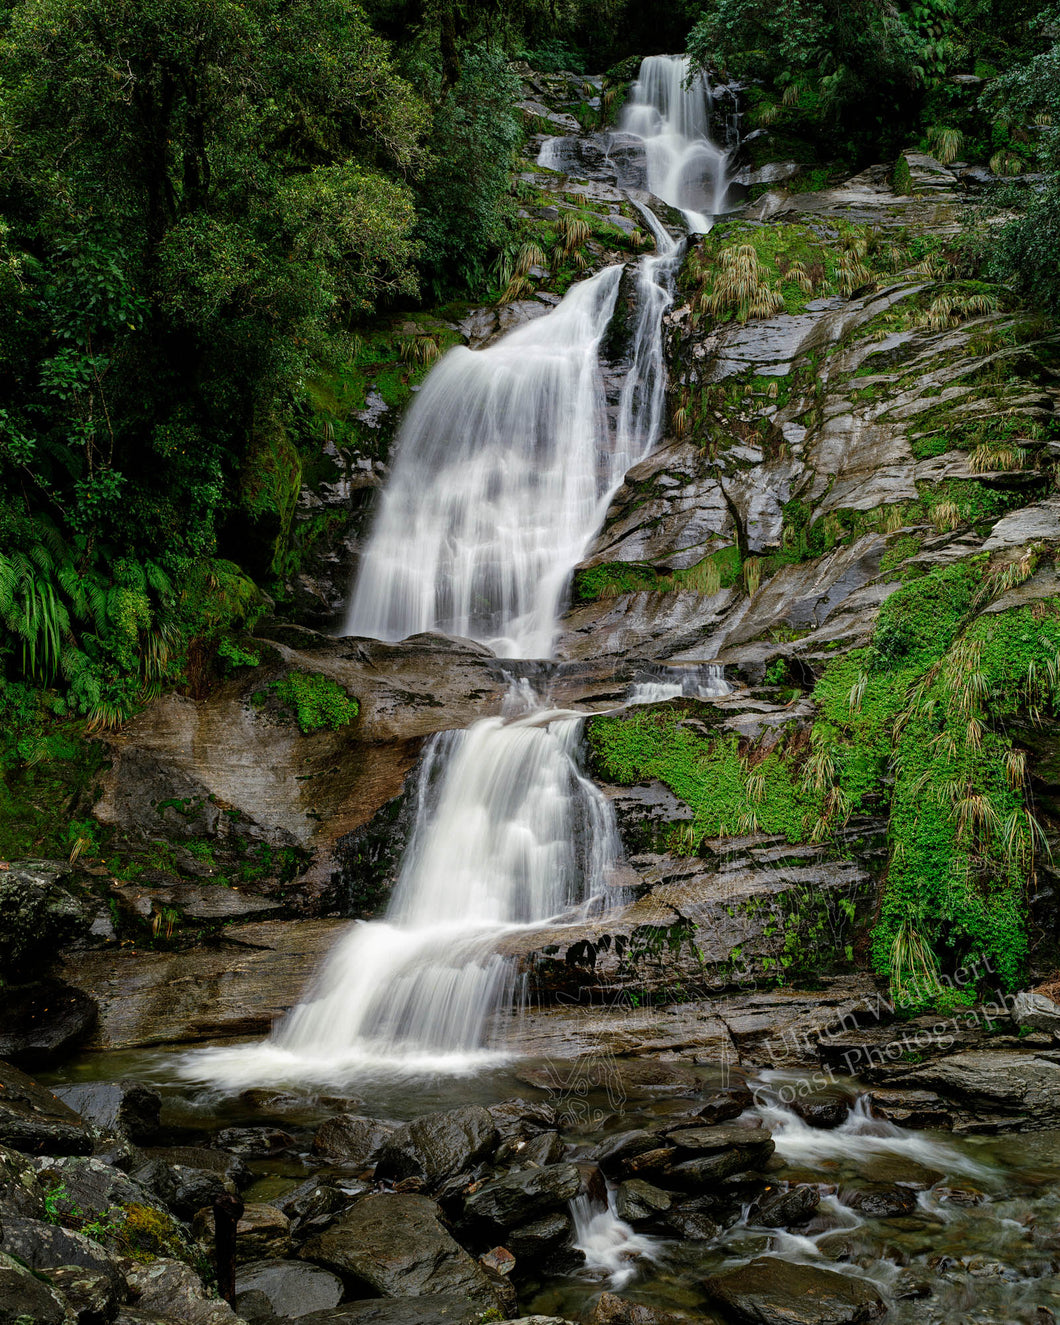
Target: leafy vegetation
{"points": [[316, 701]]}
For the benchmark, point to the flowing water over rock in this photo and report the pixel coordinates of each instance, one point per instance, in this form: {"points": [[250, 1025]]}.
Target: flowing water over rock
{"points": [[669, 108]]}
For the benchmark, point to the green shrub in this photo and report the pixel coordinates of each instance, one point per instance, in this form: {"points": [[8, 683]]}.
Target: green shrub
{"points": [[316, 701]]}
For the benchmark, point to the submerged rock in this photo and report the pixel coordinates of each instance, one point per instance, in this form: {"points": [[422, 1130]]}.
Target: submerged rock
{"points": [[769, 1291]]}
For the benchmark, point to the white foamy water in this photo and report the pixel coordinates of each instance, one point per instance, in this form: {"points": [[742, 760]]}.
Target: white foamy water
{"points": [[610, 1246], [685, 167], [705, 682], [860, 1136], [509, 833]]}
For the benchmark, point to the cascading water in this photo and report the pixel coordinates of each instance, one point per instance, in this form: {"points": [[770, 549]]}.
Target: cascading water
{"points": [[669, 108], [704, 682], [500, 467], [508, 833], [503, 471]]}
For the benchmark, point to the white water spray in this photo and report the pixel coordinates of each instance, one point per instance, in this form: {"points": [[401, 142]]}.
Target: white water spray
{"points": [[610, 1246], [509, 833], [704, 682], [669, 108]]}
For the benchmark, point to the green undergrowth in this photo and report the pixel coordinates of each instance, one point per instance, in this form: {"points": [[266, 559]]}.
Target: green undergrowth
{"points": [[315, 701], [914, 726]]}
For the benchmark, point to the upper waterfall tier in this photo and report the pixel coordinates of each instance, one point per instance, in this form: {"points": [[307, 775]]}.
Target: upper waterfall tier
{"points": [[669, 108]]}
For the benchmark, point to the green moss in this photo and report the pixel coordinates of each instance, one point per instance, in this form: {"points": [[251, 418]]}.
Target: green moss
{"points": [[144, 1233], [316, 701], [901, 550]]}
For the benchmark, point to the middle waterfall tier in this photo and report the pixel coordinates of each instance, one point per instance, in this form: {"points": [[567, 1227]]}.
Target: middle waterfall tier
{"points": [[501, 464], [508, 833]]}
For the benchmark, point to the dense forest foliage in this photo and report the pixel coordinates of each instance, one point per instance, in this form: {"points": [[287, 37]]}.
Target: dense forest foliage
{"points": [[204, 203]]}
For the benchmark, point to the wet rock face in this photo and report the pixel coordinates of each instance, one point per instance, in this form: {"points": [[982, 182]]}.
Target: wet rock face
{"points": [[125, 1107], [25, 1297], [44, 1021], [39, 914], [396, 1244], [524, 1196], [440, 1145], [35, 1121], [774, 1292]]}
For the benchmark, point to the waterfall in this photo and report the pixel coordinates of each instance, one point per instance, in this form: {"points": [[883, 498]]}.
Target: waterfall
{"points": [[499, 471], [508, 833], [704, 682], [502, 473], [669, 109]]}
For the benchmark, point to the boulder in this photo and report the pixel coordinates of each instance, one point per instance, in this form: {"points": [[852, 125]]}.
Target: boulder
{"points": [[777, 1208], [352, 1138], [91, 1186], [33, 1120], [43, 1021], [39, 915], [396, 1245], [612, 1153], [523, 1196], [21, 1194], [769, 1291], [425, 1310], [26, 1298], [291, 1288], [613, 1310], [716, 1153], [45, 1247], [531, 1152], [638, 1201], [127, 1107], [439, 1145], [262, 1231], [518, 1119], [254, 1142], [1037, 1010], [90, 1295], [883, 1200], [176, 1293], [183, 1188], [1022, 1089], [718, 1106], [825, 1111], [312, 1205], [533, 1241]]}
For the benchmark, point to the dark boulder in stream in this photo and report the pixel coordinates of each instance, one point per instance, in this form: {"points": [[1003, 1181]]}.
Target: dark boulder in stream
{"points": [[439, 1145], [34, 1120], [768, 1291]]}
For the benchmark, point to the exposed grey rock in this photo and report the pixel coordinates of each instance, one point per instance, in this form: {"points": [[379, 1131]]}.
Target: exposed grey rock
{"points": [[90, 1296], [423, 1309], [313, 1205], [523, 1196], [1037, 1010], [128, 1107], [34, 1120], [39, 914], [263, 1232], [26, 1298], [439, 1145], [534, 1241], [20, 1191], [45, 1247], [785, 1209], [638, 1201], [91, 1185], [883, 1200], [353, 1138], [534, 1152], [1020, 1090], [397, 1245], [253, 1142], [769, 1291], [292, 1288], [175, 1292]]}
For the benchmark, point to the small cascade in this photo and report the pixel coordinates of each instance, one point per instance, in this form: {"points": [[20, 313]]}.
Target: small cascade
{"points": [[704, 682], [610, 1246], [669, 109], [508, 833]]}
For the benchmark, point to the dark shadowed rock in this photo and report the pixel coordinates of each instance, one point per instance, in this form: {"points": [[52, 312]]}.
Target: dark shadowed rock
{"points": [[613, 1310], [21, 1194], [45, 1247], [33, 1120], [533, 1241], [883, 1201], [769, 1291], [25, 1298], [291, 1288], [533, 1152], [521, 1197], [785, 1209], [353, 1138], [424, 1310], [262, 1232], [638, 1201], [520, 1118], [90, 1185], [825, 1111], [176, 1293], [127, 1107], [43, 1021], [188, 1178], [313, 1204], [396, 1244], [254, 1142], [718, 1106], [89, 1295], [439, 1145], [616, 1150], [39, 914]]}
